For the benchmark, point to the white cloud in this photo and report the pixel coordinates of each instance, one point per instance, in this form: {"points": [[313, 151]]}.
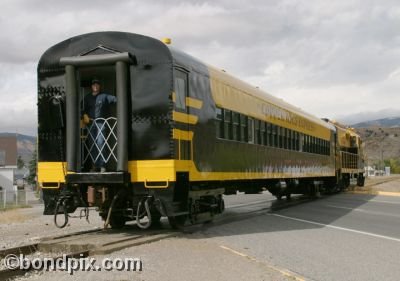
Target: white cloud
{"points": [[332, 58]]}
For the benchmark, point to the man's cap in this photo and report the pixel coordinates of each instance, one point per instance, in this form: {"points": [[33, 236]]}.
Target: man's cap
{"points": [[95, 81]]}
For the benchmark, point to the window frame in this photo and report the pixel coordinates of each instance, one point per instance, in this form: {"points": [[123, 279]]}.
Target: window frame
{"points": [[180, 101]]}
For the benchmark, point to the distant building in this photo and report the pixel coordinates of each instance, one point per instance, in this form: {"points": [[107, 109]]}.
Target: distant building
{"points": [[369, 171], [8, 162]]}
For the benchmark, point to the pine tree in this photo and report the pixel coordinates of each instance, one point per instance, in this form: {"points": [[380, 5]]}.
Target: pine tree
{"points": [[32, 169], [20, 162]]}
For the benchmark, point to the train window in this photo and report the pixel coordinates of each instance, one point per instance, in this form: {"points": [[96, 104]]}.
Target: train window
{"points": [[320, 148], [257, 131], [236, 126], [289, 139], [263, 140], [274, 135], [294, 140], [313, 146], [228, 124], [297, 141], [280, 137], [287, 144], [243, 128], [327, 147], [219, 122], [268, 134], [250, 130], [310, 144], [286, 139], [306, 142], [181, 89], [300, 142], [278, 142]]}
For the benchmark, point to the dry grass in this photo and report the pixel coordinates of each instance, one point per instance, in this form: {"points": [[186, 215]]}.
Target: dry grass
{"points": [[373, 185], [13, 215]]}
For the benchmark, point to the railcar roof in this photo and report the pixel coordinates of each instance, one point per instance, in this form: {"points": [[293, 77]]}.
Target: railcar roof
{"points": [[146, 50], [184, 59]]}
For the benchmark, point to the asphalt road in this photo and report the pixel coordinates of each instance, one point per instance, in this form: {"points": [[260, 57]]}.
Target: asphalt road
{"points": [[339, 237]]}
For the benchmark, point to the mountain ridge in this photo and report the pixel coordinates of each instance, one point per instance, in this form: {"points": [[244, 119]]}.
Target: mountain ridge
{"points": [[25, 145], [389, 122]]}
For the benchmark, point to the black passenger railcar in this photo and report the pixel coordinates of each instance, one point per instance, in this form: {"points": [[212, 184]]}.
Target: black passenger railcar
{"points": [[183, 134]]}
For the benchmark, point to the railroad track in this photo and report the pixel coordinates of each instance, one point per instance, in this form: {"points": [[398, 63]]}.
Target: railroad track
{"points": [[102, 242], [30, 249], [257, 208], [81, 245]]}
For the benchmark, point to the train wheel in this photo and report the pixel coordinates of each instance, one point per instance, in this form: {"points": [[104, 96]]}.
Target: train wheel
{"points": [[155, 218], [360, 180], [221, 205], [177, 221], [117, 222]]}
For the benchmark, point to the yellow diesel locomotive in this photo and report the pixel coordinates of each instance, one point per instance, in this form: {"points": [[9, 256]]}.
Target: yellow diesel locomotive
{"points": [[180, 135]]}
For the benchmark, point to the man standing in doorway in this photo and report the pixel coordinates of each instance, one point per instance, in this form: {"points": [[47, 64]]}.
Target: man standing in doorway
{"points": [[97, 107]]}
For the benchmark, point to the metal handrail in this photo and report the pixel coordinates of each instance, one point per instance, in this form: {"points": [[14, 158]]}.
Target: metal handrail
{"points": [[349, 160], [101, 128]]}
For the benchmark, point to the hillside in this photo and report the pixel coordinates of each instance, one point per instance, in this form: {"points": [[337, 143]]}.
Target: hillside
{"points": [[380, 143], [25, 145], [384, 122]]}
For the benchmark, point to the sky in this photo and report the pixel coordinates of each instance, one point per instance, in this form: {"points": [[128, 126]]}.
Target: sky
{"points": [[336, 59]]}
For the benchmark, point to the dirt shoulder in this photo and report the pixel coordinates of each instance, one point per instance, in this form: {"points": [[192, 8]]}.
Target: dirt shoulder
{"points": [[380, 185]]}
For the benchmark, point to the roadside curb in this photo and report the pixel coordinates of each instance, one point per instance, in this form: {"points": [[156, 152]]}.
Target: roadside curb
{"points": [[375, 192], [387, 193]]}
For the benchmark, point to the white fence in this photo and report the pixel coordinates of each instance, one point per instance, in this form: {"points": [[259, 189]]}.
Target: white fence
{"points": [[9, 199]]}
